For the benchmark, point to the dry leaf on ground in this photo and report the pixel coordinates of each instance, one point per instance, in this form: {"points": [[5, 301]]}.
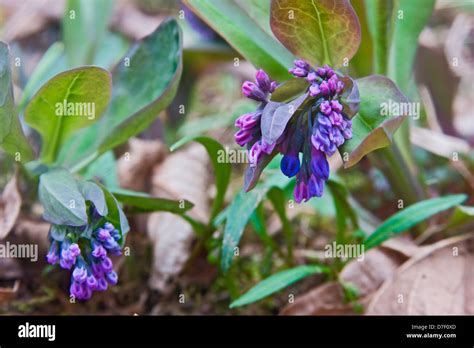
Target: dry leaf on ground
{"points": [[10, 204], [440, 280], [183, 175], [135, 167], [10, 276], [36, 13], [377, 266]]}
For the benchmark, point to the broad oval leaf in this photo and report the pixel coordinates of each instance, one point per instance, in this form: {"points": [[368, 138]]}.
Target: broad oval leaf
{"points": [[61, 198], [69, 101], [320, 32], [275, 117], [144, 83], [93, 193], [410, 216], [230, 19], [222, 167], [381, 111], [277, 282], [145, 86], [140, 202], [12, 139]]}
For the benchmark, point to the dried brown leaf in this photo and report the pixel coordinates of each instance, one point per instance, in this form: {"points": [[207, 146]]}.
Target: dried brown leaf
{"points": [[437, 281], [134, 169], [10, 204], [183, 175], [367, 275]]}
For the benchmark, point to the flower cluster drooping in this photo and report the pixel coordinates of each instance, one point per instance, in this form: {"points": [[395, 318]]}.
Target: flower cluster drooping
{"points": [[92, 269], [250, 134], [310, 135]]}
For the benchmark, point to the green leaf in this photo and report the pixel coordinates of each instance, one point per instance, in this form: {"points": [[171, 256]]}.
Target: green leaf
{"points": [[222, 167], [142, 202], [69, 101], [277, 196], [289, 90], [409, 20], [377, 120], [379, 19], [411, 216], [277, 282], [61, 198], [239, 212], [116, 215], [103, 170], [131, 113], [245, 34], [320, 32], [58, 232], [112, 48], [344, 210], [93, 193], [52, 63], [12, 139], [81, 20], [410, 17], [462, 214]]}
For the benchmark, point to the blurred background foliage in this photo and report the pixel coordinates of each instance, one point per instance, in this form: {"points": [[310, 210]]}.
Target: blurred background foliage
{"points": [[171, 259]]}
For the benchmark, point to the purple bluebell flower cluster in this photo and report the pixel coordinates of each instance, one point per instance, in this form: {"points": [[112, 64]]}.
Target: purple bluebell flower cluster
{"points": [[250, 134], [310, 136], [92, 268]]}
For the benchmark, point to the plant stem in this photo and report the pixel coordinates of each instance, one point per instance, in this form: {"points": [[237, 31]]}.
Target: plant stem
{"points": [[84, 162], [403, 182]]}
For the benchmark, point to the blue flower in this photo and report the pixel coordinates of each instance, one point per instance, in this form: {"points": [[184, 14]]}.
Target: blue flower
{"points": [[92, 269], [315, 132]]}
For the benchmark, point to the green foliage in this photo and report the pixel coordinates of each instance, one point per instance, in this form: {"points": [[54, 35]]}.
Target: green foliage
{"points": [[130, 113], [320, 32], [344, 211], [69, 101], [12, 139], [371, 130], [379, 19], [411, 216], [141, 202], [232, 22], [410, 17], [116, 215], [81, 20], [62, 199], [51, 64], [277, 282], [238, 215], [94, 194]]}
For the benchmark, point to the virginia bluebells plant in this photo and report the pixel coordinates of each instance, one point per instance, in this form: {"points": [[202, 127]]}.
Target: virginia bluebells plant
{"points": [[87, 258], [310, 135]]}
